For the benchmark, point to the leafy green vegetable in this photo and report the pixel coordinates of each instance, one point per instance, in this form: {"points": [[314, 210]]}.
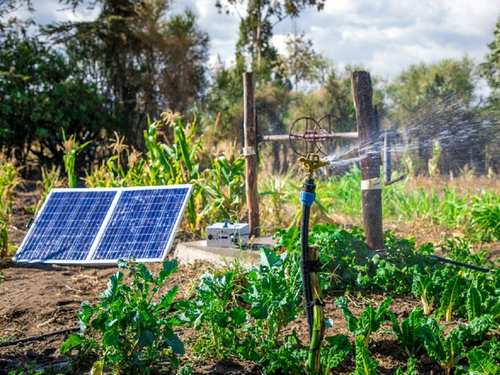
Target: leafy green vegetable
{"points": [[452, 295], [445, 350], [335, 352], [368, 322], [411, 368], [130, 329], [481, 363], [473, 303], [273, 294], [411, 332], [216, 314], [448, 350], [423, 288], [365, 365]]}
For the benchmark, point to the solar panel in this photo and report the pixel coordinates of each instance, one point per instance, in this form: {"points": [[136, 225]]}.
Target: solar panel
{"points": [[142, 224], [66, 226], [96, 226]]}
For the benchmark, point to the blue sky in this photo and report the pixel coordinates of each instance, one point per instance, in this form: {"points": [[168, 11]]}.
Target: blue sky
{"points": [[384, 35]]}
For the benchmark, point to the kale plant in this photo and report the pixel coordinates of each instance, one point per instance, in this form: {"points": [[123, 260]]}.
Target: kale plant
{"points": [[130, 329]]}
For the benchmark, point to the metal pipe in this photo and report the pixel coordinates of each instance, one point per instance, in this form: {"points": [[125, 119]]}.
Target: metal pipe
{"points": [[318, 137]]}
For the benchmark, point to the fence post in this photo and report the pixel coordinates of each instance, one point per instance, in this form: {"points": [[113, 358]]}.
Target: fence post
{"points": [[250, 153], [369, 152]]}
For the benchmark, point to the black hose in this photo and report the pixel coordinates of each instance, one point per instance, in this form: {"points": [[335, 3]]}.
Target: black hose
{"points": [[309, 188], [38, 338], [459, 264]]}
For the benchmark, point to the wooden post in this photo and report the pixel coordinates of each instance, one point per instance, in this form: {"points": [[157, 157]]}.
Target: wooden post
{"points": [[387, 157], [369, 152], [250, 153]]}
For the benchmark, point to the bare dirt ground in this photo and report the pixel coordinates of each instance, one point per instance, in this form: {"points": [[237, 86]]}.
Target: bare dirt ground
{"points": [[37, 301]]}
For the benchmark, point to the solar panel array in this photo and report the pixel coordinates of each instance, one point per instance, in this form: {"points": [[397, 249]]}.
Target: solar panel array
{"points": [[96, 226]]}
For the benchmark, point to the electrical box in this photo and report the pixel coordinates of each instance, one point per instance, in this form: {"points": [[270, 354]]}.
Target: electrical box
{"points": [[227, 234]]}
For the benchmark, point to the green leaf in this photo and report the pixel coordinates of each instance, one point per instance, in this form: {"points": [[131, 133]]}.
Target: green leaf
{"points": [[176, 344], [268, 258], [238, 315], [481, 363], [167, 299], [72, 342], [111, 338], [473, 303], [169, 267], [365, 365], [113, 285], [146, 338]]}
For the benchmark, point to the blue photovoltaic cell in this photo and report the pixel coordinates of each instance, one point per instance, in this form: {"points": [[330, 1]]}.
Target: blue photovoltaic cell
{"points": [[67, 226], [142, 224]]}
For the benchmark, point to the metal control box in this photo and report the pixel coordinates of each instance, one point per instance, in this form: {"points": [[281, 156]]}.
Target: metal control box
{"points": [[227, 234]]}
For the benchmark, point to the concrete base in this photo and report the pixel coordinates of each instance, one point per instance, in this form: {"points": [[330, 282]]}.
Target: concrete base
{"points": [[191, 252]]}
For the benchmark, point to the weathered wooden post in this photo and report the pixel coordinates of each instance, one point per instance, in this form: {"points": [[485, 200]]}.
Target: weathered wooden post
{"points": [[387, 156], [369, 152], [250, 153]]}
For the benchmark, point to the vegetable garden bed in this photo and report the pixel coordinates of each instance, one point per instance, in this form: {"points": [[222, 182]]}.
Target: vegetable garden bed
{"points": [[251, 321]]}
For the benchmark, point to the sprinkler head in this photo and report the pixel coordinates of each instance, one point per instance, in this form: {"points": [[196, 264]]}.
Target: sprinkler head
{"points": [[312, 162]]}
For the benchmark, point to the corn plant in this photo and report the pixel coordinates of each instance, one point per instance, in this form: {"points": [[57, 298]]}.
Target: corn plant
{"points": [[9, 179], [224, 186], [50, 180], [177, 163], [485, 214], [71, 150], [130, 330]]}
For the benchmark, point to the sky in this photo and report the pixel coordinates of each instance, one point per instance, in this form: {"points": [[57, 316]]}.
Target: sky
{"points": [[385, 36]]}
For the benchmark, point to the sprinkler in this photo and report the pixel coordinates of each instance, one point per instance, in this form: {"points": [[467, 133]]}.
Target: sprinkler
{"points": [[305, 137]]}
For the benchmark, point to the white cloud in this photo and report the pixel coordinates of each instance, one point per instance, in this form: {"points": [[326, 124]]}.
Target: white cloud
{"points": [[383, 35]]}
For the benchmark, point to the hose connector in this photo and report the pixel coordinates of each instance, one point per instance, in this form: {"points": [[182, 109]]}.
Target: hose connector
{"points": [[307, 198]]}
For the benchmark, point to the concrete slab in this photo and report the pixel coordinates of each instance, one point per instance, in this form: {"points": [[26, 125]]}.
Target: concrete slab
{"points": [[191, 252]]}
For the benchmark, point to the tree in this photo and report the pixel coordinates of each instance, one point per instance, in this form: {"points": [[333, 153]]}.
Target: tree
{"points": [[7, 7], [42, 94], [144, 59], [256, 29], [490, 69], [302, 62]]}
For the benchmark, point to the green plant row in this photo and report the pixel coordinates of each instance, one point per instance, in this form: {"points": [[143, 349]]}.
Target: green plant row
{"points": [[249, 313], [478, 214]]}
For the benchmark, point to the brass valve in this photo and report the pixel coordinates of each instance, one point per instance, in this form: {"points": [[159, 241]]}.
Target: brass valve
{"points": [[312, 162]]}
